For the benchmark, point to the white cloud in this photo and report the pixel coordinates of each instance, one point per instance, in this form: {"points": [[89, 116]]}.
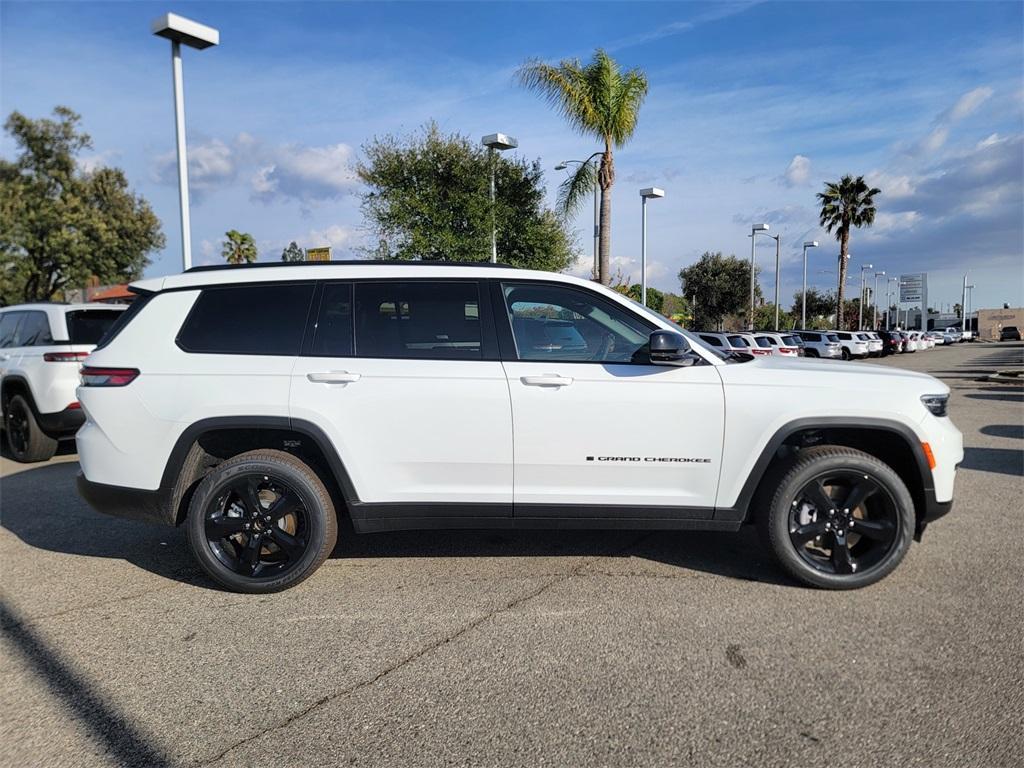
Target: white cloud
{"points": [[335, 236], [305, 173], [963, 107], [799, 171], [90, 163], [273, 172]]}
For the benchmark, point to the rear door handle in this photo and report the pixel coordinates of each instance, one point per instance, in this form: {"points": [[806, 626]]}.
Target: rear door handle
{"points": [[333, 377], [547, 380]]}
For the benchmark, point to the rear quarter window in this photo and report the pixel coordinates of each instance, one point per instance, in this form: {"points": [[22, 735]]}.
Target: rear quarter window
{"points": [[248, 320], [88, 326]]}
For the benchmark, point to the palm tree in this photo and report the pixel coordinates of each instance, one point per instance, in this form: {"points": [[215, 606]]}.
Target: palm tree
{"points": [[847, 203], [238, 248], [598, 100]]}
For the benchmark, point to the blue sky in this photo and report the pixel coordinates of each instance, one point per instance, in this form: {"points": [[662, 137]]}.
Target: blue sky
{"points": [[752, 106]]}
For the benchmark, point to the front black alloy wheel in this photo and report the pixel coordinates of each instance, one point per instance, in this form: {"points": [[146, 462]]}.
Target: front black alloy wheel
{"points": [[839, 518], [261, 522]]}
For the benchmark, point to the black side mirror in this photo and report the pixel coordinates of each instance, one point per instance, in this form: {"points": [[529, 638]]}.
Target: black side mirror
{"points": [[670, 348]]}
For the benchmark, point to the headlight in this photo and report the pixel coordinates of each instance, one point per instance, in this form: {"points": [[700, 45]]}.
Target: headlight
{"points": [[937, 404]]}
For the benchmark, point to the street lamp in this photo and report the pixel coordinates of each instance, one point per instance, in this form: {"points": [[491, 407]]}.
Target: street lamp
{"points": [[860, 304], [888, 298], [969, 303], [754, 230], [180, 30], [803, 312], [645, 195], [777, 239], [874, 302], [597, 208], [496, 142]]}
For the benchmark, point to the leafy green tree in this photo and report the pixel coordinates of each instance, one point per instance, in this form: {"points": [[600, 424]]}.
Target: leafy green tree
{"points": [[601, 101], [764, 318], [655, 298], [818, 304], [238, 247], [846, 203], [293, 253], [61, 225], [429, 198], [716, 286]]}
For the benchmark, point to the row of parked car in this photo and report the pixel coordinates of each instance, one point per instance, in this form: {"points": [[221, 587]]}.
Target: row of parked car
{"points": [[847, 345]]}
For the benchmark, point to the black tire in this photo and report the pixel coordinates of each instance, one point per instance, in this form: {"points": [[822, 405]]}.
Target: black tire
{"points": [[261, 522], [846, 354], [863, 544], [811, 353], [25, 438]]}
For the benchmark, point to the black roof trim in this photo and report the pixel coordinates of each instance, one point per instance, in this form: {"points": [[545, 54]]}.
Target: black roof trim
{"points": [[349, 262]]}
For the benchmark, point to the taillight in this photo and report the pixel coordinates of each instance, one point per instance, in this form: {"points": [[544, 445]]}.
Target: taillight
{"points": [[787, 350], [108, 377], [73, 406], [65, 357]]}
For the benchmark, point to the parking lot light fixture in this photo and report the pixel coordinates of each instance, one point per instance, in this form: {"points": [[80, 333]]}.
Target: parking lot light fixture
{"points": [[803, 312], [645, 195], [495, 143], [597, 207], [860, 304], [181, 31], [777, 239], [754, 230], [888, 297], [874, 302]]}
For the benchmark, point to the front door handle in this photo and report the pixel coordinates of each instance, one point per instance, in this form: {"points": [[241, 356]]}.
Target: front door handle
{"points": [[547, 380], [333, 377]]}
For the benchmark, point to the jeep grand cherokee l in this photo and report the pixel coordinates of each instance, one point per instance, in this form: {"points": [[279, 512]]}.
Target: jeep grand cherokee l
{"points": [[254, 404]]}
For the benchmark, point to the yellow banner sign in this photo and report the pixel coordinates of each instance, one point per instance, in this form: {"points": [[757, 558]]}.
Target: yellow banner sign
{"points": [[318, 254]]}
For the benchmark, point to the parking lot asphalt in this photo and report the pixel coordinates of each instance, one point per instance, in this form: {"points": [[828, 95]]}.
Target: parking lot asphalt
{"points": [[539, 648]]}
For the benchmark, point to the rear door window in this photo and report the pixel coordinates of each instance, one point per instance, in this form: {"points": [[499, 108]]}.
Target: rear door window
{"points": [[738, 341], [88, 326], [248, 320], [422, 319], [712, 340], [9, 328]]}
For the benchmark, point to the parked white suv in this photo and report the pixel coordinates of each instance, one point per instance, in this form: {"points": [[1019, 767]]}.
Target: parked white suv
{"points": [[41, 347], [852, 345], [820, 344], [253, 404]]}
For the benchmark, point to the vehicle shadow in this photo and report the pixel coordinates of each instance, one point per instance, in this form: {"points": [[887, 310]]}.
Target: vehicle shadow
{"points": [[1005, 461], [1012, 431], [1010, 397], [42, 508]]}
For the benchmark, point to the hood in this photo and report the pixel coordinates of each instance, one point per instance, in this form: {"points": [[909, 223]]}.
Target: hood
{"points": [[846, 376]]}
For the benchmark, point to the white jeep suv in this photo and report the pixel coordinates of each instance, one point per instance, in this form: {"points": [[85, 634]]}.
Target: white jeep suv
{"points": [[41, 347], [255, 404]]}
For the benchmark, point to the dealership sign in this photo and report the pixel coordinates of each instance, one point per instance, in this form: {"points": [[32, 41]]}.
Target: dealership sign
{"points": [[914, 288]]}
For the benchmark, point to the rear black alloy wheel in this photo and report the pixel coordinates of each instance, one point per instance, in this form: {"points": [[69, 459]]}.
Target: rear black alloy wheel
{"points": [[839, 518], [261, 522], [25, 438]]}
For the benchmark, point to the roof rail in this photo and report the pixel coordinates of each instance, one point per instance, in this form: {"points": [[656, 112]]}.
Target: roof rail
{"points": [[348, 262]]}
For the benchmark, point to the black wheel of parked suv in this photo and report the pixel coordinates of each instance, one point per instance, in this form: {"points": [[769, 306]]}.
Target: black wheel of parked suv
{"points": [[261, 522], [846, 354], [839, 518], [25, 437]]}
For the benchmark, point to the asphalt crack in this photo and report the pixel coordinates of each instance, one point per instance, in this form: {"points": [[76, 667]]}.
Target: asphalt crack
{"points": [[419, 654]]}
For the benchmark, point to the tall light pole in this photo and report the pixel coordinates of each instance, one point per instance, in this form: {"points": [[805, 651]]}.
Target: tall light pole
{"points": [[803, 311], [597, 208], [180, 30], [645, 195], [970, 303], [496, 142], [888, 298], [874, 301], [963, 307], [754, 230], [777, 239], [860, 304]]}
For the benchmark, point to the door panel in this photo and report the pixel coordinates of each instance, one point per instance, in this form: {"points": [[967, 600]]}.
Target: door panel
{"points": [[630, 435], [397, 374], [595, 424]]}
